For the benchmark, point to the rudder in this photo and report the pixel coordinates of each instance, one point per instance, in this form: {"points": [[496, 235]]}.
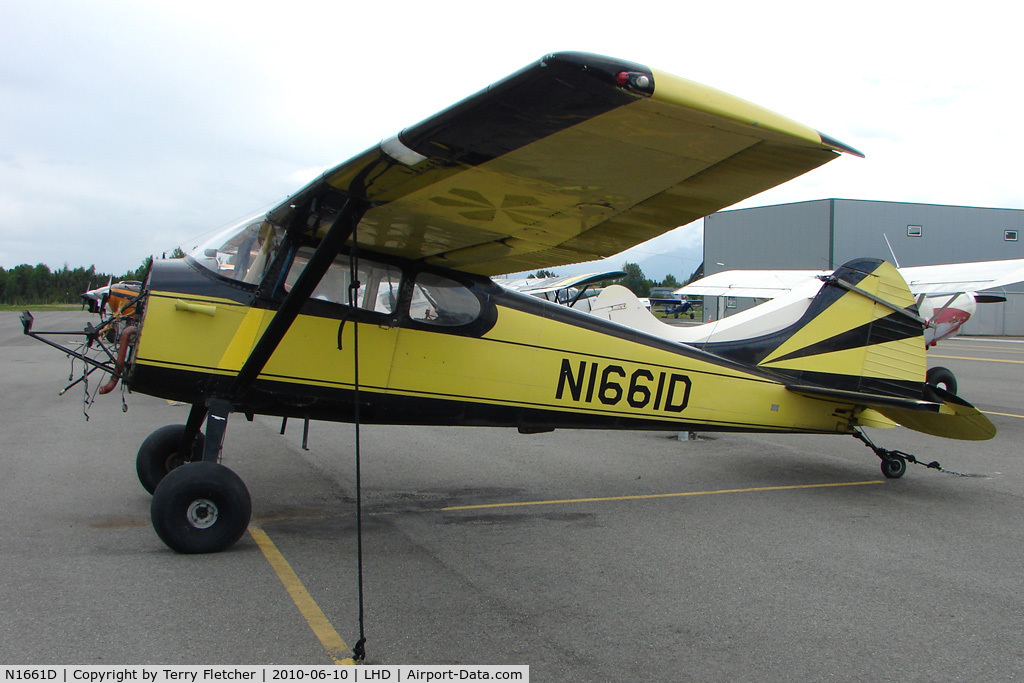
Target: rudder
{"points": [[861, 342], [861, 333]]}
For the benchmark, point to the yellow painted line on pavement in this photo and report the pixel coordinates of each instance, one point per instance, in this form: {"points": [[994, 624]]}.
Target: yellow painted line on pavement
{"points": [[986, 360], [992, 349], [649, 496], [317, 620], [992, 412]]}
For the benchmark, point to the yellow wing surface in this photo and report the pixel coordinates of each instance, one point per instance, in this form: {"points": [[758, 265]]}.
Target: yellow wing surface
{"points": [[573, 158]]}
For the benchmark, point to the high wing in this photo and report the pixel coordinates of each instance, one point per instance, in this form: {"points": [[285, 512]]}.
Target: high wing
{"points": [[544, 285], [573, 158]]}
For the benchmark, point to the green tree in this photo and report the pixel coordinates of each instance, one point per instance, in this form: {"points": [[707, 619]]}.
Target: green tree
{"points": [[544, 273], [670, 281], [140, 272], [41, 281], [26, 285], [635, 280]]}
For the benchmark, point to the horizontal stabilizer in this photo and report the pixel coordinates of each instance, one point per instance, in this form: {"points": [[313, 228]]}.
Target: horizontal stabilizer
{"points": [[876, 401], [957, 418], [948, 416]]}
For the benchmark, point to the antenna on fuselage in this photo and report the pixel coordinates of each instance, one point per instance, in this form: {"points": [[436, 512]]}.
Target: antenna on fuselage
{"points": [[892, 253]]}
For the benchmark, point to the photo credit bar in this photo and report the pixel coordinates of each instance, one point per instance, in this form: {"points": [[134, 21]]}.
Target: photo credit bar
{"points": [[154, 673]]}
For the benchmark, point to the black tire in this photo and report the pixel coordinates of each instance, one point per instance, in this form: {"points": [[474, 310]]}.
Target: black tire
{"points": [[942, 377], [200, 507], [894, 468], [158, 455]]}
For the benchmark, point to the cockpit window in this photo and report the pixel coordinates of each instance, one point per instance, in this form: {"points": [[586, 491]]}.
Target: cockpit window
{"points": [[242, 252], [378, 282], [438, 300]]}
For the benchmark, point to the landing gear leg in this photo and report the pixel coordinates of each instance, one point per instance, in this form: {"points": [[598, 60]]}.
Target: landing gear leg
{"points": [[202, 507], [193, 425], [894, 463], [216, 426]]}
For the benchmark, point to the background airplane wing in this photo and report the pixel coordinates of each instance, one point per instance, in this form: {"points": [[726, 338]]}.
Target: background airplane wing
{"points": [[552, 284], [573, 158], [758, 284], [963, 277]]}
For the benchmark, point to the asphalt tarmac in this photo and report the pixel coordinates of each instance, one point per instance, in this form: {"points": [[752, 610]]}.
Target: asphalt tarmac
{"points": [[638, 557]]}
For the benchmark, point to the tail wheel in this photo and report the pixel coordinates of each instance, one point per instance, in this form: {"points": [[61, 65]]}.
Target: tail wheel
{"points": [[942, 377], [201, 507], [894, 468], [158, 455]]}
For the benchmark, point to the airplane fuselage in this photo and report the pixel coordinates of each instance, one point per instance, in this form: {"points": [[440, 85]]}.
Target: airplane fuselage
{"points": [[499, 359]]}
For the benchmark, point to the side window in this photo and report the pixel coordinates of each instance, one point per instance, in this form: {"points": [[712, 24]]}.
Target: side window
{"points": [[378, 282], [437, 300]]}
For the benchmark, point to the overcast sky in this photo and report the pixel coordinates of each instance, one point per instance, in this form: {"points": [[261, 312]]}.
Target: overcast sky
{"points": [[129, 128]]}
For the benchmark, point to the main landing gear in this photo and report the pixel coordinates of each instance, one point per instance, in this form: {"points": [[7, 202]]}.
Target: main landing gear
{"points": [[199, 505], [894, 463], [161, 452]]}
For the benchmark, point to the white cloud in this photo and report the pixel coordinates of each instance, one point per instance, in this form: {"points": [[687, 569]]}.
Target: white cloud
{"points": [[129, 128]]}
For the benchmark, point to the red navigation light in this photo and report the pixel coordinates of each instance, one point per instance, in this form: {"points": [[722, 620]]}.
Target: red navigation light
{"points": [[634, 80]]}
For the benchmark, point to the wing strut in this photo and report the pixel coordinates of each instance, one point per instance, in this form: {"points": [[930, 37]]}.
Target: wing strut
{"points": [[219, 405], [338, 233]]}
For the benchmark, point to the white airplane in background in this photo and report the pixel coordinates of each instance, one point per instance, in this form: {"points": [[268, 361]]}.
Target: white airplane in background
{"points": [[570, 290], [947, 295]]}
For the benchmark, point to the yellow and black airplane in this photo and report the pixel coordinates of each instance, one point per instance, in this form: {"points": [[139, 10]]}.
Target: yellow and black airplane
{"points": [[366, 296]]}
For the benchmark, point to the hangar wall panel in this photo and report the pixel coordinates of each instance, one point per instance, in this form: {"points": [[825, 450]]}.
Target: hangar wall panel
{"points": [[827, 233], [925, 234], [782, 236]]}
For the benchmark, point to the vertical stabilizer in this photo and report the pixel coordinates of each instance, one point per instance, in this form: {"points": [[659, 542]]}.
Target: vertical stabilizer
{"points": [[861, 333]]}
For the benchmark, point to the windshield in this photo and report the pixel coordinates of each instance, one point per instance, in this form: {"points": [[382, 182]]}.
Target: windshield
{"points": [[241, 252]]}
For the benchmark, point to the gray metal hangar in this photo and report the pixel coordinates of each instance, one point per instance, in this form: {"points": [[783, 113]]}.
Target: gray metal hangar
{"points": [[826, 233]]}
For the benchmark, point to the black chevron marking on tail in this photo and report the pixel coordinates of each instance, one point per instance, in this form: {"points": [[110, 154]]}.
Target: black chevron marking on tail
{"points": [[892, 327]]}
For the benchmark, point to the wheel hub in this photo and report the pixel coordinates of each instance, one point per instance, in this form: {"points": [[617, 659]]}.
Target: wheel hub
{"points": [[173, 460], [202, 513]]}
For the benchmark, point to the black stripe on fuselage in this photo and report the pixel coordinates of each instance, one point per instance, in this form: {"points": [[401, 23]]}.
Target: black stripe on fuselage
{"points": [[336, 404]]}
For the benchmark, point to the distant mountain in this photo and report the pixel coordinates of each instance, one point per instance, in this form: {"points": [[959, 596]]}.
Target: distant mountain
{"points": [[679, 252], [681, 262]]}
